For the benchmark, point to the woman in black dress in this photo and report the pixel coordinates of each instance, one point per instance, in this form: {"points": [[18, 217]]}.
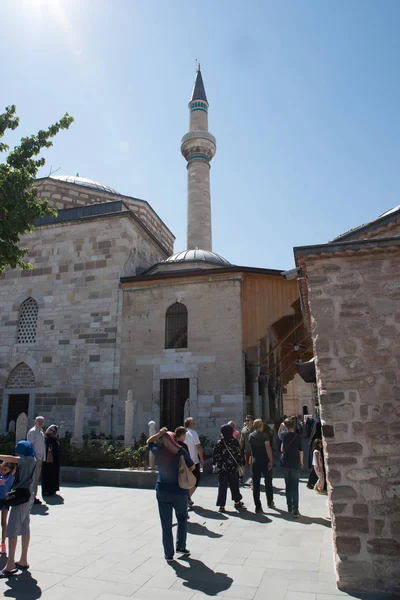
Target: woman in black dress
{"points": [[51, 463], [227, 460]]}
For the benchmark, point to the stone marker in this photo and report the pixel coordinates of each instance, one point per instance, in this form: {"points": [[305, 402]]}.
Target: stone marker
{"points": [[152, 431], [79, 417], [21, 427], [186, 409], [128, 437], [11, 427]]}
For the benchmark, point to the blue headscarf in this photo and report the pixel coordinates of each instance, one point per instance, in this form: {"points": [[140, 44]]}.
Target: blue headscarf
{"points": [[24, 448]]}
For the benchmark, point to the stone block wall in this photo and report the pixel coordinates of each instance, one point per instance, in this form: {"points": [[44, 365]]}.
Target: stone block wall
{"points": [[213, 360], [76, 271], [67, 195], [354, 300]]}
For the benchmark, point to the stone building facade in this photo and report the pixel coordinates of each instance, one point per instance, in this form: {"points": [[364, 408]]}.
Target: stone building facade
{"points": [[71, 341], [210, 368], [108, 308], [351, 291]]}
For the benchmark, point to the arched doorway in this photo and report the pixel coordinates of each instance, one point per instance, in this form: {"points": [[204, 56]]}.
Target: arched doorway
{"points": [[19, 395]]}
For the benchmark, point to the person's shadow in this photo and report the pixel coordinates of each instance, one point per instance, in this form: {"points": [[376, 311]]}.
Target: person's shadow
{"points": [[199, 529], [40, 509], [54, 500], [303, 520], [206, 513], [21, 586], [201, 578], [247, 515]]}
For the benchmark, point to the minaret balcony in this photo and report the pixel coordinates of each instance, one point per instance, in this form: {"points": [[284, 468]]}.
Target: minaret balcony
{"points": [[198, 142]]}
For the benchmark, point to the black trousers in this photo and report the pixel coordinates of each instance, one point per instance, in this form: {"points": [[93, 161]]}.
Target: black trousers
{"points": [[258, 471], [231, 481]]}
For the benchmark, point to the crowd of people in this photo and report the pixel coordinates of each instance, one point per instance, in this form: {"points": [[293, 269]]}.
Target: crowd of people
{"points": [[239, 458], [36, 457]]}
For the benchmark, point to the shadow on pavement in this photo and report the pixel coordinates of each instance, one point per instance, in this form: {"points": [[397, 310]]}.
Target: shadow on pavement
{"points": [[246, 515], [40, 509], [201, 578], [199, 529], [208, 514], [54, 500], [304, 520], [22, 586]]}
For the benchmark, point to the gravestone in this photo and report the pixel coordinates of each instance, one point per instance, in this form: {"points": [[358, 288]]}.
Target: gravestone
{"points": [[129, 409], [11, 427], [152, 431], [21, 427], [79, 417], [186, 409]]}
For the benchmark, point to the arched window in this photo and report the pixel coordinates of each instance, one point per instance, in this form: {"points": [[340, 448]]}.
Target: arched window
{"points": [[27, 323], [176, 326]]}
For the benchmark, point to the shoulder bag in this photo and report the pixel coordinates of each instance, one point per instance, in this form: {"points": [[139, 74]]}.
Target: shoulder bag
{"points": [[284, 455], [240, 468], [186, 479]]}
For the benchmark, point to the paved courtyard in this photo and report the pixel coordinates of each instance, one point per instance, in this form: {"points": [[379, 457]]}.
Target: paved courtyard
{"points": [[104, 544]]}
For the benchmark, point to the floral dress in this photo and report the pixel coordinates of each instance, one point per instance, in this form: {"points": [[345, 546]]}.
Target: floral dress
{"points": [[226, 457]]}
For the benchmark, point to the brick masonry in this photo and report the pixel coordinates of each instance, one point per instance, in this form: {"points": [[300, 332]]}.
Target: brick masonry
{"points": [[354, 301], [213, 360], [77, 266]]}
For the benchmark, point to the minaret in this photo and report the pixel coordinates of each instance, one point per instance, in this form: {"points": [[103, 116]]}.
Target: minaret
{"points": [[198, 147]]}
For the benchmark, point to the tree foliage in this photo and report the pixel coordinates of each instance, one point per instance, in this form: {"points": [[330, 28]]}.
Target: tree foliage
{"points": [[20, 204]]}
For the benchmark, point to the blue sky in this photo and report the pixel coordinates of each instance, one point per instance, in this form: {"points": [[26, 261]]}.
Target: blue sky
{"points": [[304, 103]]}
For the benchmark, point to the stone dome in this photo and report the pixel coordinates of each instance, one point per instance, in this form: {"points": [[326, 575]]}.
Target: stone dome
{"points": [[84, 182], [197, 255]]}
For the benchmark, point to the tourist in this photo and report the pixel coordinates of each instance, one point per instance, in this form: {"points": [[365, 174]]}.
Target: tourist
{"points": [[180, 436], [196, 453], [51, 463], [292, 463], [318, 466], [316, 433], [244, 441], [282, 429], [227, 461], [236, 433], [262, 462], [7, 472], [36, 438], [169, 494], [19, 519]]}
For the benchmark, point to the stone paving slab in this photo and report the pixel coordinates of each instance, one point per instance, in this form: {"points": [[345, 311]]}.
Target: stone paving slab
{"points": [[102, 543]]}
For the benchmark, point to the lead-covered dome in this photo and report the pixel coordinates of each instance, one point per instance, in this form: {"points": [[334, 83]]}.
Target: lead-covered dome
{"points": [[84, 182], [197, 255]]}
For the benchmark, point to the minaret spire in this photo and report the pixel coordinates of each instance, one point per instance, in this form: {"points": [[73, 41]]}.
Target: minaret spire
{"points": [[199, 147]]}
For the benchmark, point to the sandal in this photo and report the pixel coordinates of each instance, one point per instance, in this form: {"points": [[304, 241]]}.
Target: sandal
{"points": [[222, 509], [4, 574], [239, 504], [21, 567]]}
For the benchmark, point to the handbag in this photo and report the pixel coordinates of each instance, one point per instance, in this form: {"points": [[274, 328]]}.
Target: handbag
{"points": [[17, 496], [186, 479], [240, 468]]}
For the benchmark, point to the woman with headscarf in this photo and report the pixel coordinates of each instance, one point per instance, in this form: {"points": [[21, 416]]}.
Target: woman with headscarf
{"points": [[51, 463], [19, 519], [227, 459]]}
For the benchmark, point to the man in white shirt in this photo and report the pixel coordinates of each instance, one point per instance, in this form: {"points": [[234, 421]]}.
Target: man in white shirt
{"points": [[36, 438], [196, 453]]}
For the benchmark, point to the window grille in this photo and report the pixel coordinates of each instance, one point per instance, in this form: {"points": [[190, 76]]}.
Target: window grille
{"points": [[28, 317], [176, 326]]}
